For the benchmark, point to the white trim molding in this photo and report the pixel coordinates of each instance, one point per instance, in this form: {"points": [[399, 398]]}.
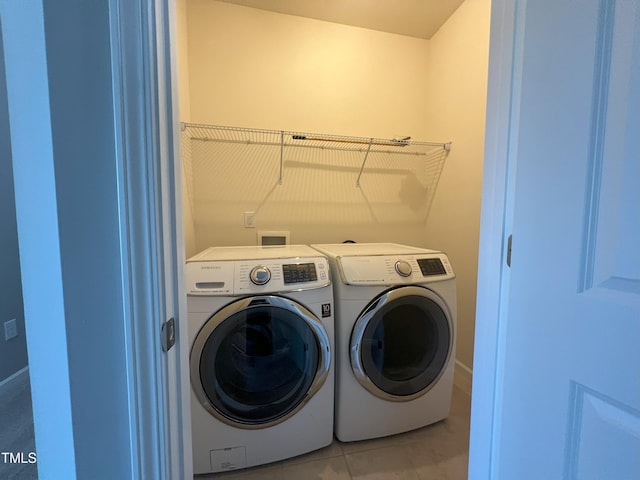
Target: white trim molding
{"points": [[37, 214], [507, 30], [463, 377], [14, 376], [147, 130]]}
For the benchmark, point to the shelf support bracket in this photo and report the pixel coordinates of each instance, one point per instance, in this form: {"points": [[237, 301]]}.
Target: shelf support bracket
{"points": [[281, 156], [363, 162]]}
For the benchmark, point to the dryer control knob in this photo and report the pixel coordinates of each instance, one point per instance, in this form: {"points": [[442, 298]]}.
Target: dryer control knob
{"points": [[403, 268], [260, 275]]}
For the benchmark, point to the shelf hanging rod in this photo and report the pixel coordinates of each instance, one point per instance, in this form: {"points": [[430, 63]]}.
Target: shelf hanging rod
{"points": [[281, 156], [387, 143], [300, 145]]}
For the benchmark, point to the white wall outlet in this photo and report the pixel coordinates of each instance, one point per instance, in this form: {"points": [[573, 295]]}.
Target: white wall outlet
{"points": [[10, 329], [249, 220]]}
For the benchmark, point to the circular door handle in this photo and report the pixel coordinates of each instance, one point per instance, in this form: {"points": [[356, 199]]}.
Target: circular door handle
{"points": [[403, 268], [260, 275]]}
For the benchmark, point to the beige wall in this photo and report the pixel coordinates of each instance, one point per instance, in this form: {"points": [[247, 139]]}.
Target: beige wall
{"points": [[251, 68], [458, 68], [184, 101]]}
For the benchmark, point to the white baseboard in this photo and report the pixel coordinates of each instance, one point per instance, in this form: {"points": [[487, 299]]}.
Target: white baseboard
{"points": [[15, 375], [463, 377]]}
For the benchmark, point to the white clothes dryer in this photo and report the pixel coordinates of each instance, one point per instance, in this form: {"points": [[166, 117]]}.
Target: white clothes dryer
{"points": [[261, 333], [395, 318]]}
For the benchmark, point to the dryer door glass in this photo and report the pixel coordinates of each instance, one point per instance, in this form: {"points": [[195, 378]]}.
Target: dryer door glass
{"points": [[259, 362], [401, 343]]}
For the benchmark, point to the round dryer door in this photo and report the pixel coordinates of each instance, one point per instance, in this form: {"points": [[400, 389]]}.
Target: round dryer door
{"points": [[401, 343], [258, 360]]}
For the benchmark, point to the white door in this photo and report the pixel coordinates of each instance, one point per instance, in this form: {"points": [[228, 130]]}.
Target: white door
{"points": [[557, 369]]}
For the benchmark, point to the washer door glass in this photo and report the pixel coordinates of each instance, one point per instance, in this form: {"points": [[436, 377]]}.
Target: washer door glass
{"points": [[258, 360], [401, 343]]}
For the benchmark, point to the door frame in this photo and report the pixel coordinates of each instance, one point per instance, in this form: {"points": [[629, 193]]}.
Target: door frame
{"points": [[143, 37], [27, 90], [159, 45], [145, 121], [498, 187]]}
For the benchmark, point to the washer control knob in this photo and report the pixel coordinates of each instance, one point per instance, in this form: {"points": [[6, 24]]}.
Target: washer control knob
{"points": [[260, 275], [403, 268]]}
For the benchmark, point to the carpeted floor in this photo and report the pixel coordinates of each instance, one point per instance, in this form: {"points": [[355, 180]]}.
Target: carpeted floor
{"points": [[16, 430]]}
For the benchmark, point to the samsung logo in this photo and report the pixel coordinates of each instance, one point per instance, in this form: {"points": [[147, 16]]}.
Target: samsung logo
{"points": [[210, 267]]}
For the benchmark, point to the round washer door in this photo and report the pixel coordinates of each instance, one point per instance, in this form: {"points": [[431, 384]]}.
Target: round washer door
{"points": [[401, 343], [258, 360]]}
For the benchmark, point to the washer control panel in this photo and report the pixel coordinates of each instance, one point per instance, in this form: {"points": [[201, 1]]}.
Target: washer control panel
{"points": [[256, 276], [395, 269]]}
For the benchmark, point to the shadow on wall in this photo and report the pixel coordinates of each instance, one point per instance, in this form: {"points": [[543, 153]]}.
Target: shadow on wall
{"points": [[307, 185]]}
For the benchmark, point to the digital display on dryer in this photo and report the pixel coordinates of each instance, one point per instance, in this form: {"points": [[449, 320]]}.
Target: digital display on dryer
{"points": [[431, 266], [299, 273]]}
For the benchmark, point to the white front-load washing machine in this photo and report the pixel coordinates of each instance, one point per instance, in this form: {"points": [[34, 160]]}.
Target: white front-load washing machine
{"points": [[395, 319], [261, 332]]}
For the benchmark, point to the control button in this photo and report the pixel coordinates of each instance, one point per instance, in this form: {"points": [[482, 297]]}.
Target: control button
{"points": [[403, 268], [260, 275]]}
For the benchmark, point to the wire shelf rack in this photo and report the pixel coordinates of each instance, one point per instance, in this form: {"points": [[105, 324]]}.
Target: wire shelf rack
{"points": [[281, 142]]}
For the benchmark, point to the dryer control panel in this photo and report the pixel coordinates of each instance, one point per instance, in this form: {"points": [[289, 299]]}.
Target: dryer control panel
{"points": [[395, 269]]}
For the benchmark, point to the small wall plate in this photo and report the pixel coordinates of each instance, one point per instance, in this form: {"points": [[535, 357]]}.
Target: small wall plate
{"points": [[271, 237]]}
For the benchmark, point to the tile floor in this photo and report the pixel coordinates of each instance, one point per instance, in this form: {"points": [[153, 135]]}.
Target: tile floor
{"points": [[436, 452]]}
